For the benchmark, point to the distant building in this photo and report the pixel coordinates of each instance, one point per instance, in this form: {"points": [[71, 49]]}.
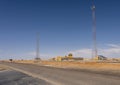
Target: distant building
{"points": [[100, 57], [59, 58], [67, 58]]}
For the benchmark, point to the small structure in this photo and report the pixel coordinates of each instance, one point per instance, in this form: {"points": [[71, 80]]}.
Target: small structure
{"points": [[100, 57], [67, 58], [59, 58], [37, 60], [70, 55], [10, 60]]}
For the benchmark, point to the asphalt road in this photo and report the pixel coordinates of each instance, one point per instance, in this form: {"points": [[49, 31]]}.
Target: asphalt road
{"points": [[11, 77], [58, 76]]}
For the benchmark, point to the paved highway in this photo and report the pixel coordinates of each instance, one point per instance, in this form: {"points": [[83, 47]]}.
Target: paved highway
{"points": [[11, 77], [57, 76]]}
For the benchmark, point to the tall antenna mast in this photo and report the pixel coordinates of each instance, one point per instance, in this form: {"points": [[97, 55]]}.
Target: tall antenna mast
{"points": [[37, 47], [94, 31]]}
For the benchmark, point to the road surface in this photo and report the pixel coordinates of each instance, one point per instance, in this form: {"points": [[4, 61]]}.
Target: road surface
{"points": [[11, 77], [57, 76]]}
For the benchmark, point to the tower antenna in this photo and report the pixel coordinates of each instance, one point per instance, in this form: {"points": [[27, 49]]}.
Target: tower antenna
{"points": [[94, 53], [37, 48]]}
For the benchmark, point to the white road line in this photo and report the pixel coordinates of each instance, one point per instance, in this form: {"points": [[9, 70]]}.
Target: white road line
{"points": [[34, 75]]}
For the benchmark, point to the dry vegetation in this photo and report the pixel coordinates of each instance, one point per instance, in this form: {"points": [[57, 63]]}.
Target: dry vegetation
{"points": [[91, 66]]}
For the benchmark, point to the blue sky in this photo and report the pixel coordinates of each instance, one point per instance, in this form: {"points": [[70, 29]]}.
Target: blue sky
{"points": [[64, 26]]}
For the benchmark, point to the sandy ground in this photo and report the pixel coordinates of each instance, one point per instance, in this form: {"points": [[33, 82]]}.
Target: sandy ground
{"points": [[2, 68], [93, 66]]}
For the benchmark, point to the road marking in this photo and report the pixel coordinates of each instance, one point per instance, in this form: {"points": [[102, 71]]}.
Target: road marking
{"points": [[34, 75], [4, 70]]}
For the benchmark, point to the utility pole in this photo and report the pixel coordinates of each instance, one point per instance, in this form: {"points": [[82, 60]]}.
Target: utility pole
{"points": [[94, 53]]}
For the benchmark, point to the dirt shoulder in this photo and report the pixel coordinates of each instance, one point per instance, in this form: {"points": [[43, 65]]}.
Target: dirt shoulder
{"points": [[106, 68], [3, 67]]}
